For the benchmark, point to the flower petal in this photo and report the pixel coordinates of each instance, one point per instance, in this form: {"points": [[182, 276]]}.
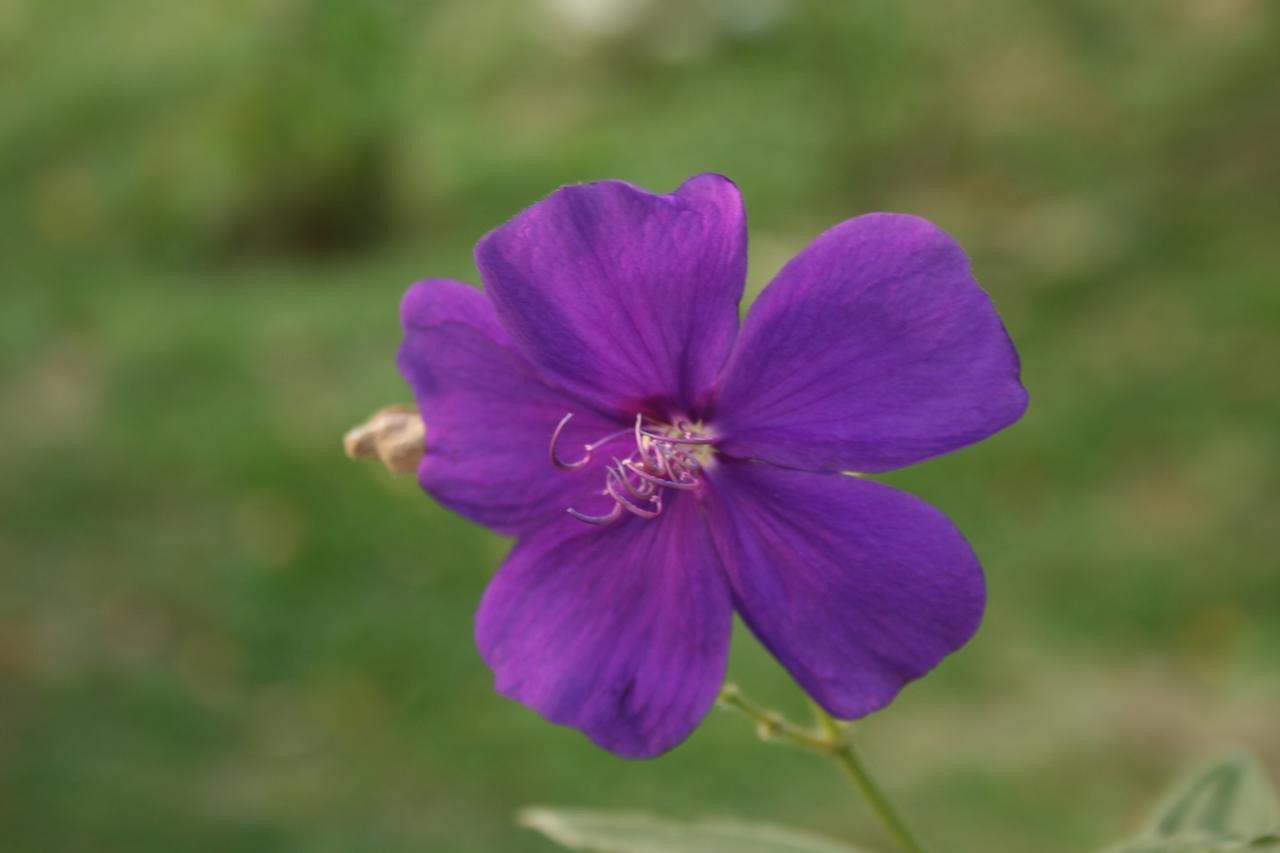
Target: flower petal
{"points": [[620, 631], [855, 587], [620, 295], [489, 417], [873, 348]]}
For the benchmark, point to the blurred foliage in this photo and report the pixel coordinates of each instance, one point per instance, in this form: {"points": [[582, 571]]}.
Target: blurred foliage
{"points": [[216, 633], [1227, 805], [635, 832]]}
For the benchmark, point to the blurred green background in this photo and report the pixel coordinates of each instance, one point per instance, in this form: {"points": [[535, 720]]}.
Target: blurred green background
{"points": [[216, 633]]}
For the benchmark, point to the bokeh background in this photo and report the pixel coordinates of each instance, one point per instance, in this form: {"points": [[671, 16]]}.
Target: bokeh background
{"points": [[217, 633]]}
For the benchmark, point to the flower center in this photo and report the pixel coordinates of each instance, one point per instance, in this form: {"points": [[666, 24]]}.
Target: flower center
{"points": [[665, 457]]}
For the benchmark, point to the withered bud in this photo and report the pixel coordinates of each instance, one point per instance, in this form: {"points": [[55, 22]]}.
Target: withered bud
{"points": [[393, 435]]}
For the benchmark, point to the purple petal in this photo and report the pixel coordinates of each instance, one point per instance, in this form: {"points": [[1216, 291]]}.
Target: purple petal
{"points": [[489, 417], [855, 587], [622, 296], [620, 631], [873, 348]]}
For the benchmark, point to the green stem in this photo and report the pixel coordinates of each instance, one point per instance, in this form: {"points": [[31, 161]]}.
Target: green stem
{"points": [[828, 739], [770, 724], [845, 755]]}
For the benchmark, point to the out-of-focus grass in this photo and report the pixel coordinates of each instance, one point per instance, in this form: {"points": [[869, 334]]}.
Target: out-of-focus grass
{"points": [[216, 633]]}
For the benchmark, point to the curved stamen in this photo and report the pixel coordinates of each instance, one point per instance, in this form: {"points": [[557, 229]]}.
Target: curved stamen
{"points": [[632, 508], [675, 439], [647, 461], [659, 481], [669, 463], [643, 492], [640, 445], [588, 449], [555, 459], [596, 445], [611, 516], [665, 459]]}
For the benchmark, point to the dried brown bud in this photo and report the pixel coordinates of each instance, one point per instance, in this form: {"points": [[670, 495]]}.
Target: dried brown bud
{"points": [[393, 435]]}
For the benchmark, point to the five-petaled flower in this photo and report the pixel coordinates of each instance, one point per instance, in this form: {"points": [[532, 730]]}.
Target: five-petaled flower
{"points": [[663, 468]]}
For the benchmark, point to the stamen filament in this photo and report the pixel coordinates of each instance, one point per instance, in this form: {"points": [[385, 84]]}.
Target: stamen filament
{"points": [[611, 516], [632, 508], [659, 461], [643, 492], [658, 481], [671, 439], [555, 438], [589, 449]]}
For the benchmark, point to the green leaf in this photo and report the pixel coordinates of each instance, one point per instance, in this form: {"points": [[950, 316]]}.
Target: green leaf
{"points": [[1260, 845], [631, 832], [1224, 806]]}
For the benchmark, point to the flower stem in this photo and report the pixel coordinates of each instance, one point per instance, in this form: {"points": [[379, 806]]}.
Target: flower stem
{"points": [[828, 739], [771, 725], [844, 754]]}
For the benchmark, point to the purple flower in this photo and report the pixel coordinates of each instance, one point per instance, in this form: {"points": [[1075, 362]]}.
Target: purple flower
{"points": [[663, 468]]}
